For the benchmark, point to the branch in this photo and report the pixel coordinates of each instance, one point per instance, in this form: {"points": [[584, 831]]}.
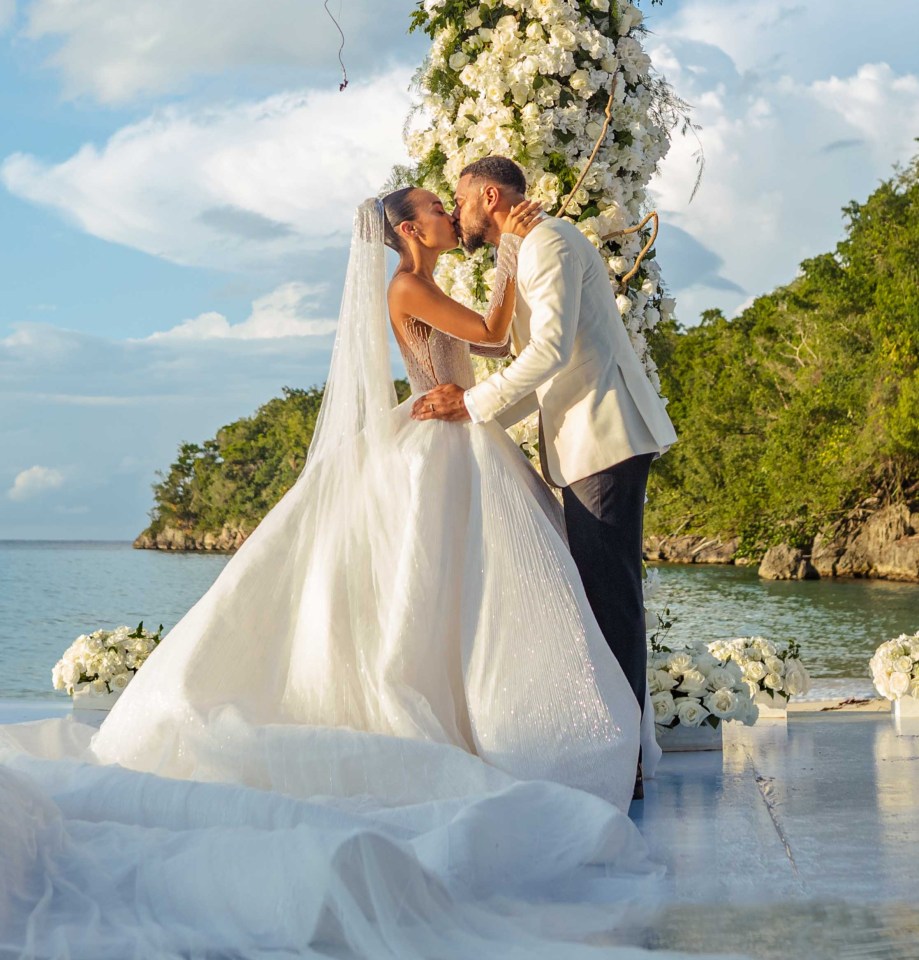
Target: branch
{"points": [[624, 281], [607, 114]]}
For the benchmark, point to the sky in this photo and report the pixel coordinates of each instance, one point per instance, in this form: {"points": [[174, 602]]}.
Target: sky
{"points": [[177, 180]]}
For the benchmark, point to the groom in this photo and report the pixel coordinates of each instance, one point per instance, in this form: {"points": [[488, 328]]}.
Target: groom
{"points": [[601, 422]]}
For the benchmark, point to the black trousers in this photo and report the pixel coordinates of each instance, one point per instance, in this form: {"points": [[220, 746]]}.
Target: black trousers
{"points": [[603, 514]]}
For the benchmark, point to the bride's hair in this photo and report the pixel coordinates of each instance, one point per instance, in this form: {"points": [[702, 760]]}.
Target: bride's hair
{"points": [[397, 208]]}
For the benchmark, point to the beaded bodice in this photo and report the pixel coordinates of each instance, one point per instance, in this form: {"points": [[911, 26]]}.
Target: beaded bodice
{"points": [[432, 357]]}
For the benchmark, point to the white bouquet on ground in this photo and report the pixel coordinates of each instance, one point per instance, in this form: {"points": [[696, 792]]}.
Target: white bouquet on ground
{"points": [[691, 687], [776, 672], [895, 667], [104, 661]]}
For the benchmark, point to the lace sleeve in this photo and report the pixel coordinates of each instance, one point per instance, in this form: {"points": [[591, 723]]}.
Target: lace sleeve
{"points": [[492, 349], [505, 273]]}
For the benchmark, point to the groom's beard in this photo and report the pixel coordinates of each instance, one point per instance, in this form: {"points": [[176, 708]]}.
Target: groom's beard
{"points": [[473, 237]]}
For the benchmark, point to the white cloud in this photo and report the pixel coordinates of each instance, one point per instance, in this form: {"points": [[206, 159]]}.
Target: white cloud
{"points": [[876, 103], [795, 124], [7, 13], [234, 186], [115, 53], [277, 314], [33, 481], [121, 408]]}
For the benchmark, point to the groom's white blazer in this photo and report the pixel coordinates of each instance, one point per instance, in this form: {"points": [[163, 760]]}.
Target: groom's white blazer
{"points": [[574, 363]]}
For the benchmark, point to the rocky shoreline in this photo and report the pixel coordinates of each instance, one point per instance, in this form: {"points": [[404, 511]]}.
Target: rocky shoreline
{"points": [[875, 542], [228, 540]]}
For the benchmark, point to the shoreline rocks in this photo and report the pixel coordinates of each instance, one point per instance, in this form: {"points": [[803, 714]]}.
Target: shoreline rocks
{"points": [[691, 549], [873, 542], [880, 543], [228, 540], [787, 563]]}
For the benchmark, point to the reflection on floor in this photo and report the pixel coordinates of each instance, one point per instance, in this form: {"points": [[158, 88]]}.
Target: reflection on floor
{"points": [[800, 840]]}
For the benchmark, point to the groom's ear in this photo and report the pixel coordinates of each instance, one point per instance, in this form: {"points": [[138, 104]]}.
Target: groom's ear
{"points": [[491, 197]]}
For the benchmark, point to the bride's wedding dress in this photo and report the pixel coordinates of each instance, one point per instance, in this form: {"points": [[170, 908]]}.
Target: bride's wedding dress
{"points": [[391, 728]]}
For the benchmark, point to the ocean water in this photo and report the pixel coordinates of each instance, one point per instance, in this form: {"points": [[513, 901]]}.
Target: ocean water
{"points": [[50, 592]]}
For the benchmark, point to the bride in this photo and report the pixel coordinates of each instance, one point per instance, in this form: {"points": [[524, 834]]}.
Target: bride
{"points": [[392, 726]]}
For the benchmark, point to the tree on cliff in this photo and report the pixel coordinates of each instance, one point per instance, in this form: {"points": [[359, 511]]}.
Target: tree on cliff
{"points": [[809, 400]]}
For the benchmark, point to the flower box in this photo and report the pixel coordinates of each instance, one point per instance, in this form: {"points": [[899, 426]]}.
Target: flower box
{"points": [[86, 700], [895, 672], [682, 738], [771, 706], [106, 660], [906, 716], [773, 674]]}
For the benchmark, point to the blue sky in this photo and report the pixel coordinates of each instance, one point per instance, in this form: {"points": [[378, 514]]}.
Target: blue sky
{"points": [[177, 181]]}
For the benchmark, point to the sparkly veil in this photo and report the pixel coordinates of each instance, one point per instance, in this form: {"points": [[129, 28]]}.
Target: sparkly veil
{"points": [[359, 392]]}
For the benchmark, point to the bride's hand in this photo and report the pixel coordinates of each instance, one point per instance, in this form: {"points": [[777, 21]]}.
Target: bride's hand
{"points": [[523, 217]]}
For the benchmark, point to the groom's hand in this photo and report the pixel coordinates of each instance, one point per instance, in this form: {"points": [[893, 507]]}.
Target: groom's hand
{"points": [[443, 402]]}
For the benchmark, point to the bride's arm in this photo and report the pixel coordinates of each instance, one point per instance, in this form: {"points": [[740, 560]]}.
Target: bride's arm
{"points": [[491, 350], [413, 296]]}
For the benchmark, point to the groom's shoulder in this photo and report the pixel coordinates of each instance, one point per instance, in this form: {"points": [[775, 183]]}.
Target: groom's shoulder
{"points": [[550, 232], [549, 241]]}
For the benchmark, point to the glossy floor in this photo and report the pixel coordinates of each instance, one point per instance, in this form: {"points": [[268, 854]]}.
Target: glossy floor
{"points": [[800, 840]]}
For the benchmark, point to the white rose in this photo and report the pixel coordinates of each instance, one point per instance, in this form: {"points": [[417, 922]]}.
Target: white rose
{"points": [[98, 688], [775, 665], [579, 81], [660, 680], [773, 681], [704, 660], [904, 664], [679, 662], [121, 680], [691, 712], [70, 672], [723, 703], [458, 61], [694, 682], [797, 679], [899, 683], [473, 19], [664, 707], [754, 670], [721, 677]]}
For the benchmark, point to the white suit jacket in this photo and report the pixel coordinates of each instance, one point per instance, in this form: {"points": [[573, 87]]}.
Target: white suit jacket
{"points": [[575, 363]]}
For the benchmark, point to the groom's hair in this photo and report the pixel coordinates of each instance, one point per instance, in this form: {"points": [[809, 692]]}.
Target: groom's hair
{"points": [[499, 171]]}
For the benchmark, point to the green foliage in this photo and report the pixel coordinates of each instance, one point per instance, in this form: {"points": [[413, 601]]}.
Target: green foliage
{"points": [[809, 400], [239, 475]]}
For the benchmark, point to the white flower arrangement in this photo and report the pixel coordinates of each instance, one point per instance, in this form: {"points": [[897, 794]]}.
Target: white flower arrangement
{"points": [[776, 672], [895, 667], [104, 661], [530, 80], [691, 687]]}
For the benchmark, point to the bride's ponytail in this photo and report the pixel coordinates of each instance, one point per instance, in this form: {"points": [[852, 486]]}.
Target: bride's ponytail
{"points": [[397, 208]]}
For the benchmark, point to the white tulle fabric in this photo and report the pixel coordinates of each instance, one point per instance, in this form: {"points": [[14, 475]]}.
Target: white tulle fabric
{"points": [[391, 728]]}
